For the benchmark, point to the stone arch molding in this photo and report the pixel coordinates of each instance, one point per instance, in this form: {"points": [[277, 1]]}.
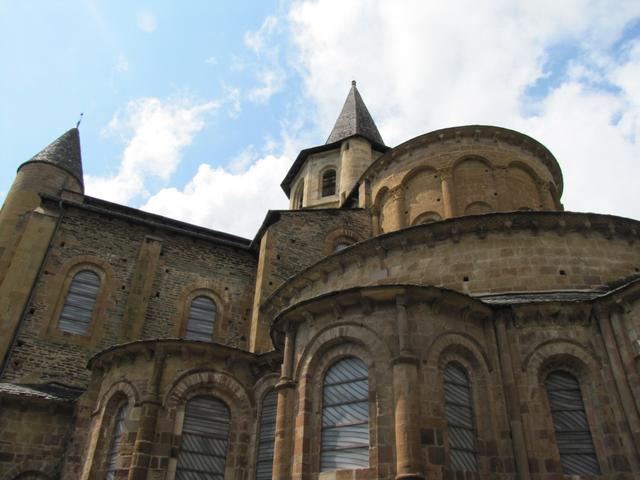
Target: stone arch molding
{"points": [[336, 334], [462, 343], [546, 352], [41, 470], [121, 386], [217, 381]]}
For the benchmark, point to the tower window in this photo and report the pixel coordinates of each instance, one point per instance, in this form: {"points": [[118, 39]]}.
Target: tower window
{"points": [[79, 303], [267, 436], [329, 183], [298, 197], [577, 453], [205, 438], [459, 409], [202, 319], [345, 416]]}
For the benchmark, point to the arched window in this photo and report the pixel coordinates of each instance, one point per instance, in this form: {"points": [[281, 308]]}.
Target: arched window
{"points": [[298, 196], [205, 437], [329, 183], [116, 441], [267, 436], [342, 242], [79, 304], [345, 416], [463, 452], [577, 453], [428, 217], [202, 319]]}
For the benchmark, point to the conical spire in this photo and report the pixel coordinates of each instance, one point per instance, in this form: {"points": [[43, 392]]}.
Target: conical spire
{"points": [[355, 119], [64, 152]]}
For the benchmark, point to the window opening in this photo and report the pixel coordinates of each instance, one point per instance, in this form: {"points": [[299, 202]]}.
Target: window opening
{"points": [[345, 416], [116, 441], [267, 438], [573, 436], [463, 452], [202, 319], [329, 183], [205, 438], [79, 303]]}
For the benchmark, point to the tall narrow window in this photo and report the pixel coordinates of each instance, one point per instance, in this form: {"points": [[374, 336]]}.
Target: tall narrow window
{"points": [[79, 303], [329, 183], [202, 319], [345, 416], [267, 436], [205, 437], [116, 440], [459, 408], [577, 453], [298, 197]]}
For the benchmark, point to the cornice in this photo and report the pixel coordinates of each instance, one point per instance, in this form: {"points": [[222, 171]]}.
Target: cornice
{"points": [[451, 230]]}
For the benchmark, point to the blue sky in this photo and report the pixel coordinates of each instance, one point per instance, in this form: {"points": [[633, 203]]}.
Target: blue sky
{"points": [[190, 107]]}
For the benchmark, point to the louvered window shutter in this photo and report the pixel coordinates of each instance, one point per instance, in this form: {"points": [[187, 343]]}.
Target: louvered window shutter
{"points": [[79, 303], [463, 452], [329, 183], [202, 319], [116, 440], [205, 437], [577, 453], [345, 416], [267, 436]]}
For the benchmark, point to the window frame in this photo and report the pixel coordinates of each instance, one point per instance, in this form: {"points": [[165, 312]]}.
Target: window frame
{"points": [[184, 308], [321, 189], [585, 409], [474, 421], [321, 386], [91, 336]]}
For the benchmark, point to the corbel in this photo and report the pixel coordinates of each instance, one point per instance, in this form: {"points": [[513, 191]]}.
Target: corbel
{"points": [[496, 136], [476, 134], [561, 227], [481, 232], [458, 136], [430, 239], [611, 231], [585, 227]]}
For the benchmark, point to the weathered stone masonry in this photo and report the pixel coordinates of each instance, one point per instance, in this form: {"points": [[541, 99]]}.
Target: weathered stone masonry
{"points": [[450, 252]]}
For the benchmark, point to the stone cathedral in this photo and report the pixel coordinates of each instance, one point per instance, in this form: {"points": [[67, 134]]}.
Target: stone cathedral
{"points": [[424, 311]]}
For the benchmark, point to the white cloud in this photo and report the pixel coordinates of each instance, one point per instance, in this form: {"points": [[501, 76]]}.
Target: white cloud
{"points": [[122, 65], [226, 201], [155, 133], [256, 40], [211, 61], [146, 21], [271, 81], [427, 65], [269, 71]]}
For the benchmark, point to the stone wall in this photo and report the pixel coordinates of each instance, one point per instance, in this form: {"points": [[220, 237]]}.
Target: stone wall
{"points": [[148, 277]]}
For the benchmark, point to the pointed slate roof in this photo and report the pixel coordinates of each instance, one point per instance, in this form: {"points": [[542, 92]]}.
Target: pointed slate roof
{"points": [[64, 152], [355, 119]]}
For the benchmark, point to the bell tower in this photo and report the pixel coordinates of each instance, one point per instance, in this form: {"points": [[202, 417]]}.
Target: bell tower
{"points": [[324, 176]]}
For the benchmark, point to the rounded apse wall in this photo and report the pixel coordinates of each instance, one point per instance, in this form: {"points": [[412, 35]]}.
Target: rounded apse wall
{"points": [[462, 171]]}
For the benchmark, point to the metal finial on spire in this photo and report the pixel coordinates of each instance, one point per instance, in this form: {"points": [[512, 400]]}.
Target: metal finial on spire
{"points": [[353, 83], [79, 120]]}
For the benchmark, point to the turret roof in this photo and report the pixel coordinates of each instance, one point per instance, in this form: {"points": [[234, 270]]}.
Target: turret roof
{"points": [[64, 152], [355, 119]]}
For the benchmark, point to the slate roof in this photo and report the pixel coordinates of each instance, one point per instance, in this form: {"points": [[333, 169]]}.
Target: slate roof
{"points": [[355, 119], [64, 152], [46, 391]]}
